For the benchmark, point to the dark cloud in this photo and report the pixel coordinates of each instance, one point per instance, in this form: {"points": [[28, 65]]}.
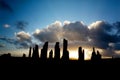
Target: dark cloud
{"points": [[76, 31], [99, 31], [8, 40], [117, 25], [21, 25], [22, 45], [2, 45], [5, 6], [103, 33]]}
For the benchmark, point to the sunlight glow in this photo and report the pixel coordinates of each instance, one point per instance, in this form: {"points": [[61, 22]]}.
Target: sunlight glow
{"points": [[88, 53], [37, 31], [74, 55]]}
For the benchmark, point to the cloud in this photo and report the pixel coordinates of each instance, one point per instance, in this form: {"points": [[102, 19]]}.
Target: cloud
{"points": [[117, 28], [56, 31], [108, 53], [52, 33], [76, 31], [5, 6], [21, 25], [99, 34], [8, 40], [2, 45], [103, 33], [6, 25], [11, 41], [66, 22], [21, 40], [22, 45], [23, 36]]}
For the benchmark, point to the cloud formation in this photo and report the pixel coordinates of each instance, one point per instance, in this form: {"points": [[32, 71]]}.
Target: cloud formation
{"points": [[102, 34], [24, 39], [23, 36], [99, 34], [21, 25], [57, 31], [76, 31], [8, 40], [52, 33], [2, 45], [21, 40]]}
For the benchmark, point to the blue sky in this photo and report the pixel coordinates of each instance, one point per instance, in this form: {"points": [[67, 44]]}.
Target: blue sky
{"points": [[40, 13]]}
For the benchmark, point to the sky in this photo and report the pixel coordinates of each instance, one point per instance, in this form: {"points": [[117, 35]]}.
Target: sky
{"points": [[85, 23]]}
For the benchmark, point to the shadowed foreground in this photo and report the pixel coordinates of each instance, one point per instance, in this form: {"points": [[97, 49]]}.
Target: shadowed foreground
{"points": [[26, 60]]}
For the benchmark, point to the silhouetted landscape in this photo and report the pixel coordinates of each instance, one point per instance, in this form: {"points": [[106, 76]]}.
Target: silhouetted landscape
{"points": [[35, 58]]}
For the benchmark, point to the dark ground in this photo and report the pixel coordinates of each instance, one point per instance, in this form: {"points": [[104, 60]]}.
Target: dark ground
{"points": [[49, 69], [22, 60]]}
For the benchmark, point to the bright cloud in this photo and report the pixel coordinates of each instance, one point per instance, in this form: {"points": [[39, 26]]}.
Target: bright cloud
{"points": [[52, 33], [23, 36]]}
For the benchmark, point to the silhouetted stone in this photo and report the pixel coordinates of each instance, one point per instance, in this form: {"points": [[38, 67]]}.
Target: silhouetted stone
{"points": [[57, 51], [93, 56], [41, 53], [80, 54], [35, 52], [6, 55], [51, 54], [65, 51], [98, 55], [9, 54], [83, 52], [44, 51], [24, 55], [29, 53]]}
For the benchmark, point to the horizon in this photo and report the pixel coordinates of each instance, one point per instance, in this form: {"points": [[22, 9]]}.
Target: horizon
{"points": [[73, 53]]}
